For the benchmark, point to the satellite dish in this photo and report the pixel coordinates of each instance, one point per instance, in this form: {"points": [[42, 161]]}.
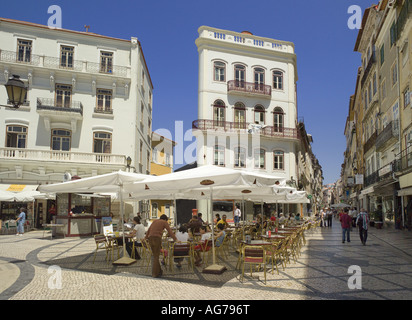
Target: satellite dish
{"points": [[67, 177]]}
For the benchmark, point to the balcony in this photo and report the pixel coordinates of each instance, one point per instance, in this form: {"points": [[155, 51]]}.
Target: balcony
{"points": [[61, 156], [403, 162], [245, 128], [369, 66], [56, 64], [249, 88], [47, 106], [370, 143], [389, 134]]}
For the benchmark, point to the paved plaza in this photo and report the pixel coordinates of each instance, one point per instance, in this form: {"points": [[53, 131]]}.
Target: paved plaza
{"points": [[29, 266]]}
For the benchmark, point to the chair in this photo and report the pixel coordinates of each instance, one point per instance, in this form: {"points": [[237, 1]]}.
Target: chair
{"points": [[206, 249], [146, 253], [113, 244], [274, 252], [181, 250], [101, 244], [253, 255], [221, 250]]}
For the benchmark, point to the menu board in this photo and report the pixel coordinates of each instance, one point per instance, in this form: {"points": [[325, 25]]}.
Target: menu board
{"points": [[107, 225]]}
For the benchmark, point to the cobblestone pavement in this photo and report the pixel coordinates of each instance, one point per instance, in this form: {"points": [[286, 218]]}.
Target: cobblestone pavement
{"points": [[28, 271]]}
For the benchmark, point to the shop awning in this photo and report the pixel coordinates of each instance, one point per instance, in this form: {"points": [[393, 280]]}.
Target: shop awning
{"points": [[18, 187]]}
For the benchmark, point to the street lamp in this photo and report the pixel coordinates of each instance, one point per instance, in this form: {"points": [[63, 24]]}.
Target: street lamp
{"points": [[16, 92], [128, 162]]}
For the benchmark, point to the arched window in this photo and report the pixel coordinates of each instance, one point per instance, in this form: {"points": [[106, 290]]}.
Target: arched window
{"points": [[278, 120], [259, 77], [16, 136], [219, 71], [259, 157], [259, 115], [102, 142], [240, 75], [277, 80], [240, 115], [278, 160], [219, 113], [240, 157]]}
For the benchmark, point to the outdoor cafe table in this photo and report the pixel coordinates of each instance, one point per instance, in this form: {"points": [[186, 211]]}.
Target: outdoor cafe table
{"points": [[284, 232], [273, 237]]}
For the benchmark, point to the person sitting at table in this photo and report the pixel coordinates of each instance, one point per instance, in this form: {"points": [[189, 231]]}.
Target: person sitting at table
{"points": [[223, 222], [282, 219], [217, 217], [182, 236], [138, 233], [220, 236], [205, 235], [194, 225]]}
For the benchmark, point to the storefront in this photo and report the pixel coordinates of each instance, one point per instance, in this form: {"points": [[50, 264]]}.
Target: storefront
{"points": [[80, 213]]}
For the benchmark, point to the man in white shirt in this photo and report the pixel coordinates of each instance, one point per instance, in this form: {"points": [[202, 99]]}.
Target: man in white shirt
{"points": [[236, 215]]}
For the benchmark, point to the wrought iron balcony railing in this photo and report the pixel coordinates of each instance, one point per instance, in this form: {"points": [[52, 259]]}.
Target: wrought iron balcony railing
{"points": [[65, 106], [249, 88]]}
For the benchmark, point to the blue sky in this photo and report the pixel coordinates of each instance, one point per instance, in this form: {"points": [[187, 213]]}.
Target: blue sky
{"points": [[167, 30]]}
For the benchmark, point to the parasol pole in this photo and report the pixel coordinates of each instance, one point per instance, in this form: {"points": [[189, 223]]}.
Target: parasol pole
{"points": [[125, 260]]}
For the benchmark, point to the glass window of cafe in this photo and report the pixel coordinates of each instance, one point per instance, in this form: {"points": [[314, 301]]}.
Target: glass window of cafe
{"points": [[80, 204]]}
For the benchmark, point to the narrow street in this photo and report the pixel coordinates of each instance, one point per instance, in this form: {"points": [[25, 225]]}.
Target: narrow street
{"points": [[28, 264]]}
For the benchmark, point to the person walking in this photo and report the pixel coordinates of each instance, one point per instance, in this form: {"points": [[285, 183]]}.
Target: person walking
{"points": [[345, 221], [362, 221], [154, 236], [329, 215], [20, 222]]}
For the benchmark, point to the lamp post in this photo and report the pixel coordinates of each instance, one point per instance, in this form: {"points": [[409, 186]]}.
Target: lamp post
{"points": [[128, 163], [16, 92]]}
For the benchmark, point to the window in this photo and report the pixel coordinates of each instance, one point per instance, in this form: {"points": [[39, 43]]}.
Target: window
{"points": [[61, 140], [406, 98], [167, 160], [141, 153], [394, 73], [104, 100], [370, 92], [259, 79], [24, 50], [278, 80], [240, 157], [240, 118], [219, 113], [278, 160], [259, 115], [383, 89], [278, 119], [393, 33], [154, 210], [102, 142], [66, 57], [106, 62], [63, 95], [259, 156], [375, 84], [366, 100], [240, 76], [154, 155], [219, 156], [382, 54], [219, 71], [16, 136]]}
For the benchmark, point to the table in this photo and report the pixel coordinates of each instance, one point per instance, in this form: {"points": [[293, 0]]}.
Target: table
{"points": [[51, 225], [256, 243], [274, 237]]}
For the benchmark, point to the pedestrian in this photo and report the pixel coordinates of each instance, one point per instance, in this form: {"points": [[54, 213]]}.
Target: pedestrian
{"points": [[20, 222], [322, 221], [154, 235], [236, 215], [345, 221], [362, 222], [329, 215]]}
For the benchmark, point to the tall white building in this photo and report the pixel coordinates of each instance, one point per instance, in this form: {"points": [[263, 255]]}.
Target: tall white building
{"points": [[247, 108], [88, 106]]}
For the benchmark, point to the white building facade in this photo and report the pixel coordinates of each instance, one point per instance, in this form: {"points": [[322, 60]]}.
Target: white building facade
{"points": [[247, 109], [88, 106]]}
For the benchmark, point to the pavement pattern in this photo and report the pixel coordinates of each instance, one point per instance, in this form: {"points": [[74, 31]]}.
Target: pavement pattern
{"points": [[33, 267]]}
